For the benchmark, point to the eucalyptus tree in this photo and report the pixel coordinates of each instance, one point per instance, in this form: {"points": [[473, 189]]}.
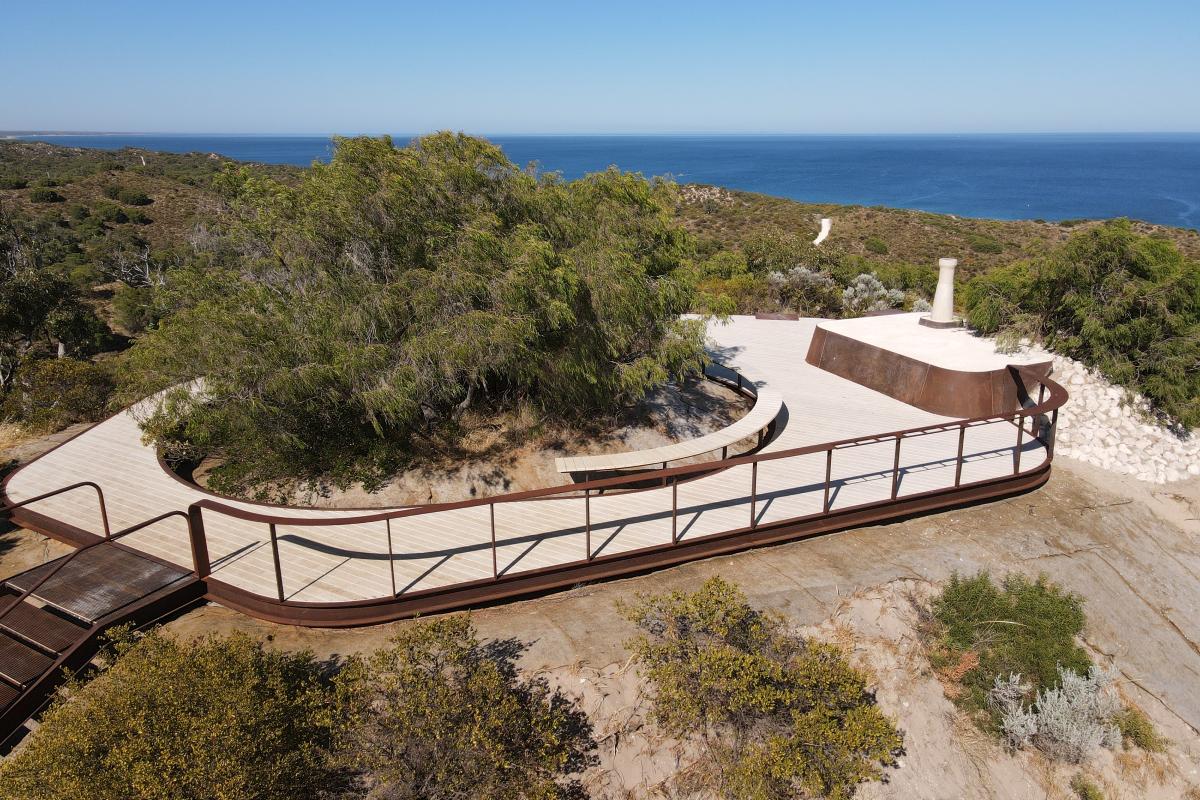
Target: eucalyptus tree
{"points": [[378, 294]]}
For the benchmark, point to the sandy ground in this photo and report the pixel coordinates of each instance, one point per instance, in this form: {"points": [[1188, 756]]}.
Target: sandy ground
{"points": [[515, 452], [1130, 549]]}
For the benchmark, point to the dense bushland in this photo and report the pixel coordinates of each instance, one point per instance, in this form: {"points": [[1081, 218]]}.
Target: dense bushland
{"points": [[1125, 304], [394, 286], [773, 715], [437, 714]]}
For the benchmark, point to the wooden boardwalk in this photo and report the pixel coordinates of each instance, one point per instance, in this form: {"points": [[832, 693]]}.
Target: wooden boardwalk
{"points": [[351, 561]]}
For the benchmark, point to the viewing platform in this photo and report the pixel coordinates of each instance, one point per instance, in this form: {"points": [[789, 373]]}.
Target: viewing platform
{"points": [[873, 420]]}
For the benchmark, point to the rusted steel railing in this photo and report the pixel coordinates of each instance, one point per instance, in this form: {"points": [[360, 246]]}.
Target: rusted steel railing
{"points": [[64, 560], [1042, 417]]}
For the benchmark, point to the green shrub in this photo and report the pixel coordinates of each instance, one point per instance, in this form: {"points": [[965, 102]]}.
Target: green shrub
{"points": [[134, 307], [1137, 729], [130, 197], [1085, 789], [110, 212], [51, 393], [138, 217], [11, 182], [1124, 304], [778, 716], [41, 194], [876, 245], [984, 244], [438, 715], [214, 718], [1019, 627]]}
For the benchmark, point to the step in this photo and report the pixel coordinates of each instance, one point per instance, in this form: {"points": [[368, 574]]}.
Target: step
{"points": [[7, 695], [41, 626], [19, 662]]}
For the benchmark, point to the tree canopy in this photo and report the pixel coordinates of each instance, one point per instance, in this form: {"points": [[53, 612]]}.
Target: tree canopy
{"points": [[1126, 304], [224, 719], [387, 288]]}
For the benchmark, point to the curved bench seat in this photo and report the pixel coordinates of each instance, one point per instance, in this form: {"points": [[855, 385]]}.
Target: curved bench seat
{"points": [[767, 405]]}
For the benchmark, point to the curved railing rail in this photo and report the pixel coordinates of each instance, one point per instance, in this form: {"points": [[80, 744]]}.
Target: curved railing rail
{"points": [[1042, 418]]}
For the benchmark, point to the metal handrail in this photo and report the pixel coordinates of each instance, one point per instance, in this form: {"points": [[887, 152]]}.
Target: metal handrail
{"points": [[71, 556], [10, 506], [1057, 397]]}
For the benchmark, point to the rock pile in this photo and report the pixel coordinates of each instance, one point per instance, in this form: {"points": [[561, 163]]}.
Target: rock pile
{"points": [[1109, 427]]}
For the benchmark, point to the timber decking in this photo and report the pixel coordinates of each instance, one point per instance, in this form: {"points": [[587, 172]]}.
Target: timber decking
{"points": [[351, 562]]}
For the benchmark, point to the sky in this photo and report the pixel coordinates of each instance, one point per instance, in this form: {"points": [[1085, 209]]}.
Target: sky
{"points": [[607, 66]]}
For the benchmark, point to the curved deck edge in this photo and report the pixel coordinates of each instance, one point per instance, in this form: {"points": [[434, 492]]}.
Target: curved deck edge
{"points": [[477, 593]]}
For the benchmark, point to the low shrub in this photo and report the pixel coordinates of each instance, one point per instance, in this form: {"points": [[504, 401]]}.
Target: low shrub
{"points": [[1068, 722], [984, 244], [807, 292], [42, 194], [1137, 730], [776, 716], [11, 182], [215, 718], [110, 212], [130, 197], [1085, 789], [1022, 627], [52, 393], [440, 715], [874, 244], [867, 293]]}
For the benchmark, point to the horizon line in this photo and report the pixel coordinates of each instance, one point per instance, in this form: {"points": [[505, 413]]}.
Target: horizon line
{"points": [[25, 132]]}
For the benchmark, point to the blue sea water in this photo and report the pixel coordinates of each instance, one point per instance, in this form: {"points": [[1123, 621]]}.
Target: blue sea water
{"points": [[1153, 177]]}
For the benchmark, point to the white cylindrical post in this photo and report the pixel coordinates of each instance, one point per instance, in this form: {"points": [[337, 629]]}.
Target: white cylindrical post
{"points": [[943, 298]]}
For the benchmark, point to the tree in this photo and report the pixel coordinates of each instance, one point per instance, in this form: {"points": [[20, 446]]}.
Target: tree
{"points": [[1125, 304], [393, 286], [40, 311], [49, 394], [777, 716], [439, 715], [215, 718]]}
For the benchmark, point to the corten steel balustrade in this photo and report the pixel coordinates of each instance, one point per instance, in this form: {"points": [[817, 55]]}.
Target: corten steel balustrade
{"points": [[1037, 421]]}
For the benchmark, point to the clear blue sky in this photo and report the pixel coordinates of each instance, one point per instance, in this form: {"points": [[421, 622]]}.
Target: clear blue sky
{"points": [[837, 66]]}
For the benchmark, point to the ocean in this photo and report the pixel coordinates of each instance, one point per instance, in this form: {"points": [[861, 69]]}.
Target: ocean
{"points": [[1152, 177]]}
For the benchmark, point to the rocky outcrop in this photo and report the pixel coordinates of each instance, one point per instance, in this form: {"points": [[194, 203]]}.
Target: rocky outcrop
{"points": [[1112, 428]]}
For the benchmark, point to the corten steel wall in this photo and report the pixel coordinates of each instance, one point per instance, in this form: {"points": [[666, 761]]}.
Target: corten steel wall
{"points": [[949, 392]]}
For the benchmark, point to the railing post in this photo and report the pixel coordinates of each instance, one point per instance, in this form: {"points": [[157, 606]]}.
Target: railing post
{"points": [[103, 512], [675, 510], [828, 471], [278, 568], [1053, 433], [495, 570], [896, 469], [962, 436], [739, 381], [587, 521], [391, 558], [199, 542], [753, 491], [1020, 436]]}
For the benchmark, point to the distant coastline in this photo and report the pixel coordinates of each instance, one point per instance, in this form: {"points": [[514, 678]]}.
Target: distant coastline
{"points": [[1149, 176]]}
